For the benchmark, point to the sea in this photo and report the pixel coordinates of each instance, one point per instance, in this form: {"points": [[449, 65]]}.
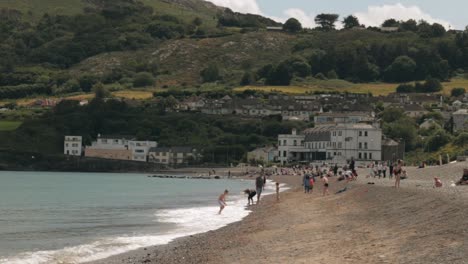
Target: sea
{"points": [[49, 217]]}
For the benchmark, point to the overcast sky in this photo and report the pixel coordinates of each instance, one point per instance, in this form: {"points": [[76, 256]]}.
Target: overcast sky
{"points": [[450, 13]]}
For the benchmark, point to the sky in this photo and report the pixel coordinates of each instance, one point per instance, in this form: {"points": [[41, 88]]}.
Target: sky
{"points": [[449, 13]]}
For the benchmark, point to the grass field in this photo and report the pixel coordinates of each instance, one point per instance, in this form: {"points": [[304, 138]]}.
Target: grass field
{"points": [[342, 86], [9, 125]]}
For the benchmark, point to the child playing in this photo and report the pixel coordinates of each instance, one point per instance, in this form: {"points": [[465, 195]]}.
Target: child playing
{"points": [[325, 185], [311, 184], [222, 201], [277, 191]]}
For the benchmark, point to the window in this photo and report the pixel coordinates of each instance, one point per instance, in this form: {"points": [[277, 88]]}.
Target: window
{"points": [[360, 133], [66, 144], [365, 145], [365, 155], [334, 133], [340, 145], [365, 134], [329, 154], [340, 133], [360, 146], [370, 155], [360, 155], [104, 141], [284, 154], [116, 141], [279, 154], [75, 145], [334, 144], [279, 142], [334, 153], [284, 143], [295, 142]]}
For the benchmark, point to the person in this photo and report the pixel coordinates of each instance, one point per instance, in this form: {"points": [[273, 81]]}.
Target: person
{"points": [[384, 171], [251, 194], [390, 170], [352, 165], [311, 183], [306, 183], [277, 191], [325, 185], [229, 174], [335, 170], [464, 178], [259, 187], [379, 169], [437, 182], [222, 201], [398, 170]]}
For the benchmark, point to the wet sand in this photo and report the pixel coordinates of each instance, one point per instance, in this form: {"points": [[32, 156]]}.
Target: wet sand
{"points": [[365, 224]]}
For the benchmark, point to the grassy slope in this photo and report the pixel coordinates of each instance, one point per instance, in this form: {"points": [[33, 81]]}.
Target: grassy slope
{"points": [[9, 125], [40, 7]]}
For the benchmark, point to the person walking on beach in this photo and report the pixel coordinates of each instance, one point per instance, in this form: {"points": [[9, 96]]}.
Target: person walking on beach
{"points": [[384, 171], [259, 183], [325, 185], [222, 201], [398, 171], [390, 174], [306, 183], [277, 191], [335, 170]]}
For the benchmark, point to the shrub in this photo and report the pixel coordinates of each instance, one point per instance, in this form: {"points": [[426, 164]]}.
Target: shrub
{"points": [[143, 79]]}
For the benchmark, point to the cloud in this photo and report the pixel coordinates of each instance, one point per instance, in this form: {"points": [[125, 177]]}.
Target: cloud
{"points": [[242, 6], [376, 15]]}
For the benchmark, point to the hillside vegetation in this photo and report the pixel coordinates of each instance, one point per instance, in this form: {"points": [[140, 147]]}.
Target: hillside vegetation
{"points": [[56, 48]]}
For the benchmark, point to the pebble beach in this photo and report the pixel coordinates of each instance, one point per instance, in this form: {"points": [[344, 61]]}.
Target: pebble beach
{"points": [[368, 223]]}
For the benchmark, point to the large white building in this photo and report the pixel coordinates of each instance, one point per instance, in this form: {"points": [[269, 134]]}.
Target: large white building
{"points": [[73, 145], [334, 143], [120, 148]]}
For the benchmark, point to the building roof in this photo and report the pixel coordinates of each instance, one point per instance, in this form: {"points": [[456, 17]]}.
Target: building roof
{"points": [[389, 142], [413, 108], [461, 112], [126, 137], [172, 149]]}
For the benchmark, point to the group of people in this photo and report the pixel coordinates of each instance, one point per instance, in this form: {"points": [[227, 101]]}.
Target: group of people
{"points": [[260, 183]]}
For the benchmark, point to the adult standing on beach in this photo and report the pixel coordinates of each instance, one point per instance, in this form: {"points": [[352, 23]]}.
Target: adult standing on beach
{"points": [[398, 171], [352, 165], [259, 183], [306, 183], [325, 185]]}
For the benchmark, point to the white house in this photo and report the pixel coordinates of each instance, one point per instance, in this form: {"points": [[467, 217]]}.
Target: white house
{"points": [[73, 145], [266, 154], [173, 156], [119, 148], [363, 142]]}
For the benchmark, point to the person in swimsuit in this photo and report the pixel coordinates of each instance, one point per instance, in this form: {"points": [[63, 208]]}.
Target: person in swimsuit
{"points": [[251, 194], [325, 185], [222, 201], [398, 170]]}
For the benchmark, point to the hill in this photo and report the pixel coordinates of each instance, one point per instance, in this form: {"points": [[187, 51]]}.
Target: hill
{"points": [[58, 48]]}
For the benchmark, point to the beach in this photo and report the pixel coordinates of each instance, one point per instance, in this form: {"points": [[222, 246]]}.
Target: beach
{"points": [[365, 224]]}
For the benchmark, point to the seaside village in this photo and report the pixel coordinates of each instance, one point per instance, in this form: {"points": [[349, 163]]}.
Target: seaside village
{"points": [[345, 130]]}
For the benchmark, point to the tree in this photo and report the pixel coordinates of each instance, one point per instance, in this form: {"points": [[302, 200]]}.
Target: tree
{"points": [[456, 92], [350, 22], [100, 91], [439, 139], [143, 79], [409, 25], [292, 25], [332, 75], [402, 69], [432, 85], [197, 21], [210, 74], [326, 21], [437, 30], [390, 23], [247, 79]]}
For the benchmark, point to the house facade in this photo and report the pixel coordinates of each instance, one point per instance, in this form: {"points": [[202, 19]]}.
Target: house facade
{"points": [[266, 154], [119, 148], [460, 120], [172, 156], [362, 142], [73, 145]]}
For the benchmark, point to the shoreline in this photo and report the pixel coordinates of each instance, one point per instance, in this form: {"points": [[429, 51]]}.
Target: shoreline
{"points": [[365, 224]]}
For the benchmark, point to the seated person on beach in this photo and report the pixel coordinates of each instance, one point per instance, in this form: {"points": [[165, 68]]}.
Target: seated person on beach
{"points": [[222, 201], [251, 194], [341, 177], [437, 182], [464, 179], [404, 175]]}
